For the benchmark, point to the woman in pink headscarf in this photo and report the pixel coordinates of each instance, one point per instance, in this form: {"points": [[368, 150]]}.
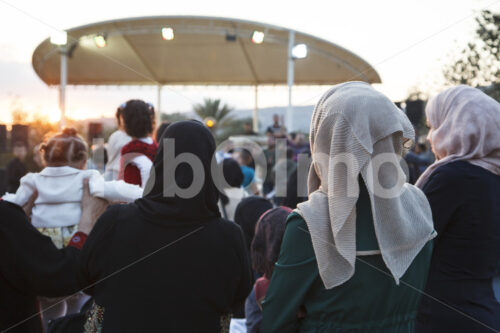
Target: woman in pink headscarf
{"points": [[463, 189]]}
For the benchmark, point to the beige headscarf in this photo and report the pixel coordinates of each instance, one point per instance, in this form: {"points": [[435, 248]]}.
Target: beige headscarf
{"points": [[354, 129], [466, 126]]}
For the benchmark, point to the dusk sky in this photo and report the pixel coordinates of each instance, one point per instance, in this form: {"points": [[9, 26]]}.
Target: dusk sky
{"points": [[407, 42]]}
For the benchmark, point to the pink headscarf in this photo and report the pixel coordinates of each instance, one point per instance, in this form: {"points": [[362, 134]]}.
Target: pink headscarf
{"points": [[466, 127]]}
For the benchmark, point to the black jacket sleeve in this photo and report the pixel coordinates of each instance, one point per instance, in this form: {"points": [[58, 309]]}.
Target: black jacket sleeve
{"points": [[442, 191], [30, 262]]}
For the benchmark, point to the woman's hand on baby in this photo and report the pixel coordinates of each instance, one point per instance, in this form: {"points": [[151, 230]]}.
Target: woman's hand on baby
{"points": [[92, 208], [28, 206]]}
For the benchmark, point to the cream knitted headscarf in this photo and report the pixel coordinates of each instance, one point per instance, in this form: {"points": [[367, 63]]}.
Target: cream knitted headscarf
{"points": [[356, 130]]}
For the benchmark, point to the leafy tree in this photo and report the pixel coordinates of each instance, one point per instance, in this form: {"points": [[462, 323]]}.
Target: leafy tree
{"points": [[19, 115], [416, 93], [175, 116], [212, 108], [40, 127], [235, 127], [478, 64]]}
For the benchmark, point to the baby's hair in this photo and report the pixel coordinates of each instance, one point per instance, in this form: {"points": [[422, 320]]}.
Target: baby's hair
{"points": [[138, 118], [64, 148]]}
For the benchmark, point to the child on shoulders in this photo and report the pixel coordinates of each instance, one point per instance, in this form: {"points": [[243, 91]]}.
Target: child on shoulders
{"points": [[138, 155], [57, 209]]}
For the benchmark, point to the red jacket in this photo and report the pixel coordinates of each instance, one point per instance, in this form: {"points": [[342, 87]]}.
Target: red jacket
{"points": [[129, 172]]}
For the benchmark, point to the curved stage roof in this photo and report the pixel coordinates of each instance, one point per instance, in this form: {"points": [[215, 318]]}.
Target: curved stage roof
{"points": [[205, 51]]}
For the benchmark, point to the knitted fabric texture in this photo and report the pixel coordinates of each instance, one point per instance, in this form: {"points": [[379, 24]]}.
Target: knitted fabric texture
{"points": [[355, 131]]}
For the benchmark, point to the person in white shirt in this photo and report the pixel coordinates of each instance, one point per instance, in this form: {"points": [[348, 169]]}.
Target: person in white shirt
{"points": [[138, 155], [231, 190], [115, 143], [59, 186]]}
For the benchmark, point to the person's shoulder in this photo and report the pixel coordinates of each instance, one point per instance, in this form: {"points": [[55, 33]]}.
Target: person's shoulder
{"points": [[129, 146], [153, 145], [29, 177], [296, 248], [452, 177], [296, 229], [247, 170], [295, 220], [454, 167], [113, 219], [90, 173], [14, 223], [114, 135], [14, 220], [118, 212], [9, 210], [471, 170], [458, 172], [226, 226], [228, 233], [225, 229], [118, 134], [109, 217], [448, 172]]}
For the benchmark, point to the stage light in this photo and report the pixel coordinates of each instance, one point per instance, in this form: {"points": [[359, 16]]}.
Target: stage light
{"points": [[59, 38], [167, 33], [209, 122], [257, 37], [100, 41], [299, 51]]}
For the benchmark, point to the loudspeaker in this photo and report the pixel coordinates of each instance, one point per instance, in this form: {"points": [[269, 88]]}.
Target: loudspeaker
{"points": [[230, 37], [3, 138], [415, 111], [19, 133], [95, 131]]}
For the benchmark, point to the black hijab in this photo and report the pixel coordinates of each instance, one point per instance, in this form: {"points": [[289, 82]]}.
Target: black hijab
{"points": [[232, 172], [233, 176], [248, 213], [192, 137]]}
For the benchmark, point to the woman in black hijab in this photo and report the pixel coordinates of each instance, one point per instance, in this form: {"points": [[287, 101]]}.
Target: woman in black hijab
{"points": [[231, 193], [247, 213], [166, 263]]}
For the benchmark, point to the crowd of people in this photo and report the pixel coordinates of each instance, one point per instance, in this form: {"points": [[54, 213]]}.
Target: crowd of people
{"points": [[323, 234]]}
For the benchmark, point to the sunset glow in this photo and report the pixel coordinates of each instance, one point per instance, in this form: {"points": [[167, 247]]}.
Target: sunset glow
{"points": [[53, 114]]}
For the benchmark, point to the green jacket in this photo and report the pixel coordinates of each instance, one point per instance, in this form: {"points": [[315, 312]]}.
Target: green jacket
{"points": [[369, 302]]}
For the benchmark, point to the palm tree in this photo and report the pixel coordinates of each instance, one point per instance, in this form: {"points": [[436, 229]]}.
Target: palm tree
{"points": [[212, 108]]}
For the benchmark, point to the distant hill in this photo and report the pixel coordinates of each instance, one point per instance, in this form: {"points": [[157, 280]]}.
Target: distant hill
{"points": [[107, 122], [302, 116]]}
